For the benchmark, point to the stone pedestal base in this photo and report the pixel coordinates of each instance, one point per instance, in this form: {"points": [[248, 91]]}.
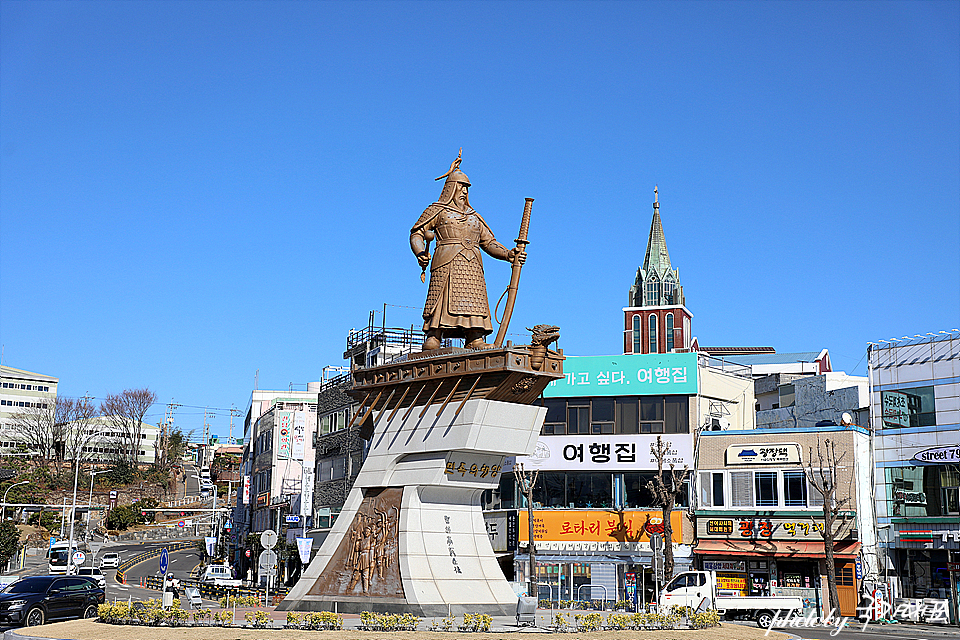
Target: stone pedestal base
{"points": [[411, 537]]}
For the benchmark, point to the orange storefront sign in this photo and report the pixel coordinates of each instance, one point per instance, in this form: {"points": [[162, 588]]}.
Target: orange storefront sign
{"points": [[562, 525]]}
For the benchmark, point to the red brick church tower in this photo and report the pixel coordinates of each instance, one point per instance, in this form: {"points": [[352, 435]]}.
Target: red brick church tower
{"points": [[656, 320]]}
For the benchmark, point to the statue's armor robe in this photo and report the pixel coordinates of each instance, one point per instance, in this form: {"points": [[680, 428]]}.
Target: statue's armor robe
{"points": [[457, 296]]}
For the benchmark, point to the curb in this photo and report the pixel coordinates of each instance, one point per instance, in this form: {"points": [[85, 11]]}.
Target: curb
{"points": [[13, 635]]}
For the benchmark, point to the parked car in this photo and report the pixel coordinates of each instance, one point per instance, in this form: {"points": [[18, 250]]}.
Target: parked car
{"points": [[35, 600], [95, 574], [219, 575], [110, 560]]}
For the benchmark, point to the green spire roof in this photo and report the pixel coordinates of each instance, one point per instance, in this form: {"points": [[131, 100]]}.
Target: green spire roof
{"points": [[657, 259]]}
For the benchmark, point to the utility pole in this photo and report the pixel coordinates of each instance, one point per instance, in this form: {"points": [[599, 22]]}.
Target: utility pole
{"points": [[233, 412], [165, 431]]}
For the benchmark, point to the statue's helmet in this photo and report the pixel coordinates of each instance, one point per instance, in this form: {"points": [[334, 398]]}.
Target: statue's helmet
{"points": [[454, 178]]}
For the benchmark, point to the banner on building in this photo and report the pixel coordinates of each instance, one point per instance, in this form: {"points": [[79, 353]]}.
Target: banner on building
{"points": [[626, 375], [304, 545], [284, 433], [561, 525], [211, 544], [299, 434], [246, 489], [306, 492]]}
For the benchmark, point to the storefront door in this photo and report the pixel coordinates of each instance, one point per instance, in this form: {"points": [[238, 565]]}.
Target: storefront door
{"points": [[847, 589]]}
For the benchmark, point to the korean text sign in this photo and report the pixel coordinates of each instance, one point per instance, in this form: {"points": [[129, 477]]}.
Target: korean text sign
{"points": [[562, 525], [626, 375], [285, 433]]}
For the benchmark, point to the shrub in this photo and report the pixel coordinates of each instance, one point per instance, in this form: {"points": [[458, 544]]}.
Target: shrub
{"points": [[560, 622], [224, 618], [623, 605], [200, 616], [705, 619], [620, 621], [588, 621], [324, 620], [258, 619]]}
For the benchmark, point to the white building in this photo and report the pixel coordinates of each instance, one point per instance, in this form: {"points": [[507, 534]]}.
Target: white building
{"points": [[915, 418], [19, 391]]}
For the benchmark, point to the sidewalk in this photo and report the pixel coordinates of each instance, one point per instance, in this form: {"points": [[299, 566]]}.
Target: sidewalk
{"points": [[504, 628]]}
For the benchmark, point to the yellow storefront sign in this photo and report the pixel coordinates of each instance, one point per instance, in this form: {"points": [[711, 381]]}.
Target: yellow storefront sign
{"points": [[561, 525], [732, 582]]}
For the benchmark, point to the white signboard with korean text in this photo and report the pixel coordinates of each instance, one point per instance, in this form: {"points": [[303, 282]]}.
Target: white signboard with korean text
{"points": [[306, 492], [608, 452], [246, 489], [299, 434], [776, 453]]}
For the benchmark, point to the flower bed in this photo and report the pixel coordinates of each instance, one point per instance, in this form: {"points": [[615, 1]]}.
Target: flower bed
{"points": [[370, 621]]}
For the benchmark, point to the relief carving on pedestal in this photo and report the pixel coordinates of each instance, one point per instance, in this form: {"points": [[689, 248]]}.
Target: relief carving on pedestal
{"points": [[367, 560]]}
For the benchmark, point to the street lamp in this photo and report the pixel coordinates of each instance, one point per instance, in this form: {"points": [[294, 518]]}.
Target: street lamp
{"points": [[3, 512], [90, 499]]}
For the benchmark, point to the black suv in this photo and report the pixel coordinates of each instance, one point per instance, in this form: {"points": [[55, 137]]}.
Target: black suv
{"points": [[34, 600]]}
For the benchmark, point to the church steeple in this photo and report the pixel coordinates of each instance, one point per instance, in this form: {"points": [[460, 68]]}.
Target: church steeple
{"points": [[656, 320], [657, 258]]}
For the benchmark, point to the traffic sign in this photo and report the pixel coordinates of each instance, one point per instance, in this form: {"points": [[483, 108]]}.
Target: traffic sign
{"points": [[268, 539], [78, 558], [268, 560], [181, 524], [249, 553], [164, 561]]}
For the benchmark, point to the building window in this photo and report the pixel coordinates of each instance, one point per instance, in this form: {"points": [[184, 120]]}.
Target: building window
{"points": [[653, 292], [766, 487], [669, 333], [711, 489], [908, 408], [741, 488], [626, 415], [602, 415], [637, 337], [555, 422], [794, 489], [578, 420], [653, 334]]}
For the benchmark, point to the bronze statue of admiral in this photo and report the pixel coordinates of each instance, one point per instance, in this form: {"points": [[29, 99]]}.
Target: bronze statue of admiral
{"points": [[456, 304]]}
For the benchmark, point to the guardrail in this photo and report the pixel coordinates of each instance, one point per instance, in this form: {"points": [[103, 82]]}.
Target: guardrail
{"points": [[188, 500], [213, 592], [146, 555]]}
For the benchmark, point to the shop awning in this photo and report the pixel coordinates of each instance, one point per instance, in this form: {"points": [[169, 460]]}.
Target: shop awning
{"points": [[780, 549]]}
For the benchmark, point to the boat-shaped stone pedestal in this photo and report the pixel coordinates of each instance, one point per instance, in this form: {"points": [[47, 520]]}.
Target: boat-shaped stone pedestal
{"points": [[411, 536]]}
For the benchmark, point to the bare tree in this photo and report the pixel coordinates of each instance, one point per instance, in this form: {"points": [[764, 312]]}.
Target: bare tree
{"points": [[824, 480], [666, 494], [125, 413], [526, 481], [78, 429], [34, 427]]}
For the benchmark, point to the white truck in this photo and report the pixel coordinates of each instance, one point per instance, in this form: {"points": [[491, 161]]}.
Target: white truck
{"points": [[219, 575], [698, 589]]}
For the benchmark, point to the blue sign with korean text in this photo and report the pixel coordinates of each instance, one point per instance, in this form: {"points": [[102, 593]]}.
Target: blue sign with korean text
{"points": [[627, 375]]}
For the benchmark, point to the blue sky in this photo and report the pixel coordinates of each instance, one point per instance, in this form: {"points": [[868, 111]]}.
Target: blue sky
{"points": [[195, 192]]}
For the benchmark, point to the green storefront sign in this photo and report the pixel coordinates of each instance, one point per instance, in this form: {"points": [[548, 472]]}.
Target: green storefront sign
{"points": [[627, 375]]}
